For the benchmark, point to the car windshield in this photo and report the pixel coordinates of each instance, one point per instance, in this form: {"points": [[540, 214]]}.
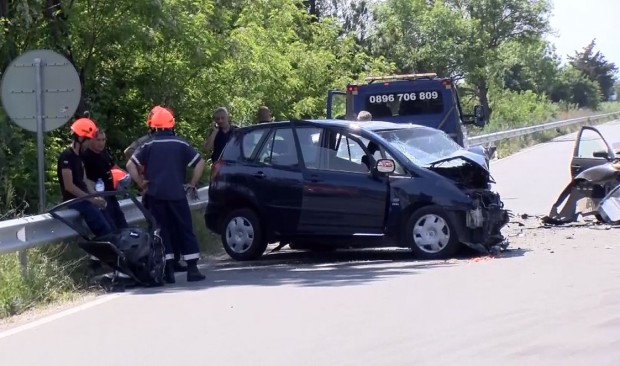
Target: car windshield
{"points": [[422, 146]]}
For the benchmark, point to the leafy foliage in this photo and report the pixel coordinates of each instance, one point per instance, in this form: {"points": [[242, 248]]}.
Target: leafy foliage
{"points": [[197, 55]]}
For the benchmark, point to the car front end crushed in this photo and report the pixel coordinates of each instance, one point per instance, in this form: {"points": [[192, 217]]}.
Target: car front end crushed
{"points": [[481, 225]]}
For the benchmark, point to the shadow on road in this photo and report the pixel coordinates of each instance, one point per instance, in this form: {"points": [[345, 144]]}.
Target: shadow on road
{"points": [[316, 269]]}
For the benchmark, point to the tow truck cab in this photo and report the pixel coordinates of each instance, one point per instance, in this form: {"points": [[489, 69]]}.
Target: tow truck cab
{"points": [[423, 99]]}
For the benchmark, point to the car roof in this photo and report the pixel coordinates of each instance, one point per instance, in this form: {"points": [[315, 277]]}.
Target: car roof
{"points": [[365, 125]]}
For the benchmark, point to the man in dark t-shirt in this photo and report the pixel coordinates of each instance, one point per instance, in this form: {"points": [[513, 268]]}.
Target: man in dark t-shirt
{"points": [[70, 171], [222, 130], [98, 164]]}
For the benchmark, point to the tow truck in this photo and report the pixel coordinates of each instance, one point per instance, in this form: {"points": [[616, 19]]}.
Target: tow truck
{"points": [[423, 99]]}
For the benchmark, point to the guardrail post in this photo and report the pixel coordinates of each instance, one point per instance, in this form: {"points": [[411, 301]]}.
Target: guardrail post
{"points": [[23, 262]]}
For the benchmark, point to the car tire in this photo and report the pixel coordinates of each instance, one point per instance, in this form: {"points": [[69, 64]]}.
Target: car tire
{"points": [[242, 235], [430, 234]]}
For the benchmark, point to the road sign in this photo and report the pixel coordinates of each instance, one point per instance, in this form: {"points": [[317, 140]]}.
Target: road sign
{"points": [[40, 92], [60, 90]]}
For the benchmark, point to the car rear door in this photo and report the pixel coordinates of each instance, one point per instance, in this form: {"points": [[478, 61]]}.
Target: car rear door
{"points": [[340, 195], [276, 178], [591, 149]]}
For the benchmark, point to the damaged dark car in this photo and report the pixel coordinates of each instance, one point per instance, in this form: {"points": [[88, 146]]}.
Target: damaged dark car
{"points": [[327, 184]]}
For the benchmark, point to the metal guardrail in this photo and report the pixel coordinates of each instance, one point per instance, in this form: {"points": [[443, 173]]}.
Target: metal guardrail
{"points": [[39, 230], [517, 132]]}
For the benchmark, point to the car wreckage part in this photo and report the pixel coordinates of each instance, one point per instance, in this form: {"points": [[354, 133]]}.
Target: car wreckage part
{"points": [[242, 235], [485, 221], [466, 175]]}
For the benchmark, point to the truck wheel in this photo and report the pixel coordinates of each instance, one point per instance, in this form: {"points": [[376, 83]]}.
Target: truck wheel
{"points": [[430, 234], [242, 236]]}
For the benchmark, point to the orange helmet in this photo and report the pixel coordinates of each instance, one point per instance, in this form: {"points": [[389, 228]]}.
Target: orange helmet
{"points": [[84, 127], [120, 178], [160, 117]]}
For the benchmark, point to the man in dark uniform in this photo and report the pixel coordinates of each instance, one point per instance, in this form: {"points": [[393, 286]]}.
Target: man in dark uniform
{"points": [[165, 159], [222, 131], [98, 165], [70, 171], [129, 151]]}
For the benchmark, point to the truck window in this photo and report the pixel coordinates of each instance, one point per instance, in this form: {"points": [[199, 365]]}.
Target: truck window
{"points": [[404, 103]]}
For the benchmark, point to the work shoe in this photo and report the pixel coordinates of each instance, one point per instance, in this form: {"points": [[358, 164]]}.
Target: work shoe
{"points": [[178, 267], [169, 272], [193, 274]]}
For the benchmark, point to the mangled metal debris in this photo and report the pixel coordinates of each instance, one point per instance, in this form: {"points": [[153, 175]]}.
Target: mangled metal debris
{"points": [[594, 187]]}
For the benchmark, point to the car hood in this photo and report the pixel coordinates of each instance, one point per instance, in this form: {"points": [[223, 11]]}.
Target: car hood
{"points": [[473, 173], [469, 156]]}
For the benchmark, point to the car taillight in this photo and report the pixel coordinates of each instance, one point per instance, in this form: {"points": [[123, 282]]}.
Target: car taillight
{"points": [[215, 169]]}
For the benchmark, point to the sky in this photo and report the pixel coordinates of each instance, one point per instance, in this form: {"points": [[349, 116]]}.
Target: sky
{"points": [[577, 22]]}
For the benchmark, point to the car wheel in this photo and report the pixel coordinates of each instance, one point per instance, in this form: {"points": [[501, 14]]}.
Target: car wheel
{"points": [[430, 234], [241, 235]]}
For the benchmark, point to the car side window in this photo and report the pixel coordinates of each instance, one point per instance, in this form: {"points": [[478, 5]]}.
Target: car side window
{"points": [[589, 143], [279, 149], [250, 142], [309, 142], [343, 152]]}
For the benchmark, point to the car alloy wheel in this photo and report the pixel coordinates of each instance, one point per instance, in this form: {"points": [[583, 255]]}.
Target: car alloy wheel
{"points": [[242, 235], [431, 233], [239, 234]]}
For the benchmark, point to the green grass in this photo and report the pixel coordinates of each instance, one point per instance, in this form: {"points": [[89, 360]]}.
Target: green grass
{"points": [[58, 273]]}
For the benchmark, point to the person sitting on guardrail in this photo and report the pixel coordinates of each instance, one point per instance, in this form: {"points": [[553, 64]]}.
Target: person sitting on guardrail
{"points": [[129, 151], [70, 171], [98, 164], [165, 159]]}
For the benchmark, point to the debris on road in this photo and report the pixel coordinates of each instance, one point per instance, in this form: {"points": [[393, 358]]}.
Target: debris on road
{"points": [[593, 189]]}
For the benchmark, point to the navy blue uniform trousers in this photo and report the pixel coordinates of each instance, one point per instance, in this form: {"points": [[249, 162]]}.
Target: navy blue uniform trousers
{"points": [[175, 221]]}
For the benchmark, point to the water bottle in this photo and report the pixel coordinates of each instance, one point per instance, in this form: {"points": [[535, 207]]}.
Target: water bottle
{"points": [[99, 186]]}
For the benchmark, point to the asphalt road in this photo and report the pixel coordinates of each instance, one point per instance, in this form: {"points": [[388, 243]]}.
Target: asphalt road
{"points": [[366, 308]]}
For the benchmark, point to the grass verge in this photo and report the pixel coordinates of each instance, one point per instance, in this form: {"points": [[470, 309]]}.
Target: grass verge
{"points": [[58, 273]]}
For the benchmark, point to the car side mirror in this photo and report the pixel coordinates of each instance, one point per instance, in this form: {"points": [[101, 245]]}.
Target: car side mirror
{"points": [[385, 166], [479, 116], [601, 154]]}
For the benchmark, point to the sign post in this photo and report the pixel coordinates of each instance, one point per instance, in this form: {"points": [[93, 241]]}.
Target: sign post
{"points": [[41, 91]]}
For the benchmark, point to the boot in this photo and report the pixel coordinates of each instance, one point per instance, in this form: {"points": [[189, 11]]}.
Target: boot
{"points": [[169, 272], [193, 274], [178, 267]]}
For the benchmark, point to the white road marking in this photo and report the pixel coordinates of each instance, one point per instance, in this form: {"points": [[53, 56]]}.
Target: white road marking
{"points": [[50, 318]]}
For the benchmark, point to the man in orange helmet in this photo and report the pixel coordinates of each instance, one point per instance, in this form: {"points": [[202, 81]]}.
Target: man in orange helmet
{"points": [[129, 151], [165, 159], [70, 171]]}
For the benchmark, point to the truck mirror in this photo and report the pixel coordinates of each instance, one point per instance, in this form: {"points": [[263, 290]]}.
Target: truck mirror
{"points": [[479, 117]]}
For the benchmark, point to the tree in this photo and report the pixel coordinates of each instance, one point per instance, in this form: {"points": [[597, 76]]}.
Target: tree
{"points": [[596, 68], [459, 38]]}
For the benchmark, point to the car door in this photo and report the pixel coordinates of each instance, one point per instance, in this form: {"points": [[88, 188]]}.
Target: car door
{"points": [[591, 149], [276, 178], [340, 195]]}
